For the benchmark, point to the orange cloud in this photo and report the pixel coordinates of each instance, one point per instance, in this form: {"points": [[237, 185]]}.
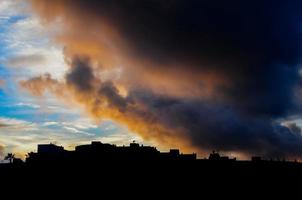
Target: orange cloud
{"points": [[94, 35], [39, 85], [102, 100], [170, 78]]}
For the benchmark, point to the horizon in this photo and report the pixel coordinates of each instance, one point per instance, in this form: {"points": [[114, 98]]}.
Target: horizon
{"points": [[224, 157]]}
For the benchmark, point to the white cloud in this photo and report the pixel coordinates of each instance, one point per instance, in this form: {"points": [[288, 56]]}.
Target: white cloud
{"points": [[75, 130], [54, 107], [50, 123], [11, 7], [30, 105], [81, 123], [29, 45], [16, 124]]}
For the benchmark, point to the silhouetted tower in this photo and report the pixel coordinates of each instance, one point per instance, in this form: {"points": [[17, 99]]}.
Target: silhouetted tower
{"points": [[134, 144], [214, 156]]}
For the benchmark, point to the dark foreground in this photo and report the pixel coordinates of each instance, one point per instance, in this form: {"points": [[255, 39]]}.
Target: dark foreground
{"points": [[101, 168], [171, 172], [152, 180]]}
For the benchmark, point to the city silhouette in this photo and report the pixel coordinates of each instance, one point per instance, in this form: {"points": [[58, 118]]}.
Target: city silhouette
{"points": [[98, 152], [98, 157]]}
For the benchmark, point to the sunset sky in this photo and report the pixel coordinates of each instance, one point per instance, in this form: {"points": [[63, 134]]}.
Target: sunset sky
{"points": [[197, 75]]}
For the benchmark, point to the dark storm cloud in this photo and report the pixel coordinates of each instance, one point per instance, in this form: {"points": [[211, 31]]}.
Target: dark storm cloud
{"points": [[214, 31], [80, 75], [255, 45], [111, 93], [214, 126]]}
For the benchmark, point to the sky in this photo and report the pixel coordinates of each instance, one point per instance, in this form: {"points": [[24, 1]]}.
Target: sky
{"points": [[27, 50], [197, 75]]}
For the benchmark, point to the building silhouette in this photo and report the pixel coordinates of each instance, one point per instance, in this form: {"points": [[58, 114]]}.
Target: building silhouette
{"points": [[101, 162], [215, 156], [101, 152], [50, 148]]}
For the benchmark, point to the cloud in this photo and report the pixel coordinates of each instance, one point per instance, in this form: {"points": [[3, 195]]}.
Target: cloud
{"points": [[293, 127], [200, 75], [102, 101], [50, 123], [191, 124], [30, 105], [16, 124], [82, 124], [32, 54], [10, 7], [80, 76], [74, 130], [2, 83], [37, 85], [26, 60]]}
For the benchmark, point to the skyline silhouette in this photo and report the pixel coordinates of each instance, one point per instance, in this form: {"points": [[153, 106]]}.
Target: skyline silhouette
{"points": [[98, 164], [111, 152]]}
